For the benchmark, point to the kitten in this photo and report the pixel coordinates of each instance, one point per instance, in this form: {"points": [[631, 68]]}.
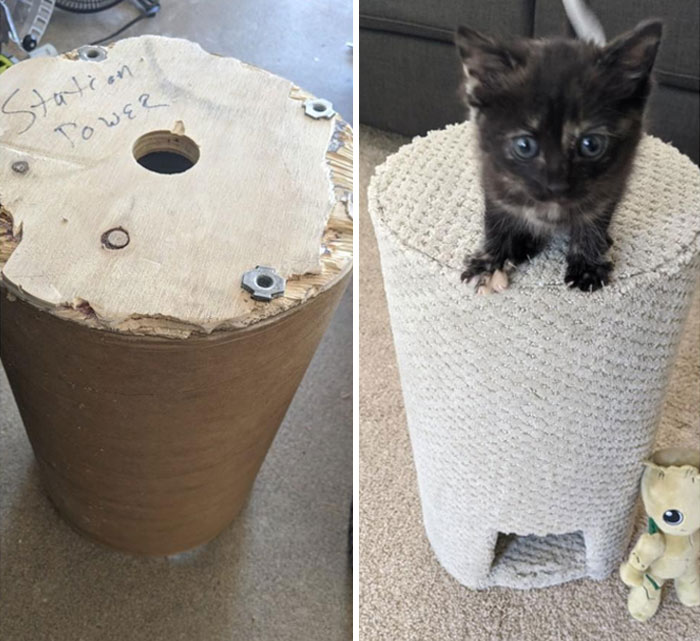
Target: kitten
{"points": [[559, 121]]}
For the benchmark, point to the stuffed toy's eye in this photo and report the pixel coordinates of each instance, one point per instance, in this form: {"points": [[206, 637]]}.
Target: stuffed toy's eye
{"points": [[673, 517], [592, 145], [525, 147]]}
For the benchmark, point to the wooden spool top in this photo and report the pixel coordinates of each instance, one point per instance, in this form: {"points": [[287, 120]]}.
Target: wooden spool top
{"points": [[91, 231]]}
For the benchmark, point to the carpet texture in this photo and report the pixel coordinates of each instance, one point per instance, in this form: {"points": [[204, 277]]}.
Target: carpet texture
{"points": [[531, 411], [405, 593]]}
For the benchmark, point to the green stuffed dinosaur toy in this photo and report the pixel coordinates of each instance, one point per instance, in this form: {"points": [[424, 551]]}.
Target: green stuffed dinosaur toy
{"points": [[669, 550]]}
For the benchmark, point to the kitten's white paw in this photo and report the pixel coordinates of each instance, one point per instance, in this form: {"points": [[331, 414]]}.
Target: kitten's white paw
{"points": [[499, 281], [487, 283]]}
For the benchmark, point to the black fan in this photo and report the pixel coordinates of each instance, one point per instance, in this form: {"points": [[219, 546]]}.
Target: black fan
{"points": [[86, 6]]}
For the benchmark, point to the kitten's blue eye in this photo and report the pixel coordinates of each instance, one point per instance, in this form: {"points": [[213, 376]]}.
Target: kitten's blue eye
{"points": [[592, 145], [525, 147]]}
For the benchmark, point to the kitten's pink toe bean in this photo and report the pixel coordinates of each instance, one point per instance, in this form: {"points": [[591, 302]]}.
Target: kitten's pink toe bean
{"points": [[499, 281], [484, 290]]}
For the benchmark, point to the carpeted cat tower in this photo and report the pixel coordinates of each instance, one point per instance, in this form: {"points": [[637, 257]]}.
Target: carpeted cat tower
{"points": [[530, 411]]}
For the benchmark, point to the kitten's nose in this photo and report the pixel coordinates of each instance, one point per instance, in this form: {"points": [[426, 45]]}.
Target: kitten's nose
{"points": [[557, 187]]}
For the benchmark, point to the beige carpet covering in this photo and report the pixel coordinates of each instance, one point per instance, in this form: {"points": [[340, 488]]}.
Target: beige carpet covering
{"points": [[405, 594]]}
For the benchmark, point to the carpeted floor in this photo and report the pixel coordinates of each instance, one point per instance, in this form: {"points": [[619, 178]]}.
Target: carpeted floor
{"points": [[404, 593]]}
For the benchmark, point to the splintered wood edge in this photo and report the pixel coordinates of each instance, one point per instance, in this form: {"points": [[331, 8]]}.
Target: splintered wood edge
{"points": [[336, 252]]}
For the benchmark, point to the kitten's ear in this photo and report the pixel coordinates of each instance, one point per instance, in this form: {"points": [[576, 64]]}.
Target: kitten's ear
{"points": [[486, 61], [633, 53]]}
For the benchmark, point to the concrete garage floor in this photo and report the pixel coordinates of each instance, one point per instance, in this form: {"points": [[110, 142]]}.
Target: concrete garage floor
{"points": [[281, 570]]}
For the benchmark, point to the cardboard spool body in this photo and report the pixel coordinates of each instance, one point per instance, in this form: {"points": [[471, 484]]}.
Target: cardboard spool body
{"points": [[139, 183]]}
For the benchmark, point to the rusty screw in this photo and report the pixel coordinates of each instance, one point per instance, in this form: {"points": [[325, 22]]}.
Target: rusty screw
{"points": [[116, 238], [20, 167]]}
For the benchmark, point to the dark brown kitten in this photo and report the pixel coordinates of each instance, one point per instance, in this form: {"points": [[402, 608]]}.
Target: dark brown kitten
{"points": [[559, 121]]}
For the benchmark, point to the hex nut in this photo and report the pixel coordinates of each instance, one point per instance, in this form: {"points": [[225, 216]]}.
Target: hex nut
{"points": [[92, 53], [264, 283], [319, 108]]}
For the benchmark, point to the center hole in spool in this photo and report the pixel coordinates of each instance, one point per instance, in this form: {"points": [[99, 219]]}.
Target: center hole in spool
{"points": [[264, 281], [165, 152]]}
